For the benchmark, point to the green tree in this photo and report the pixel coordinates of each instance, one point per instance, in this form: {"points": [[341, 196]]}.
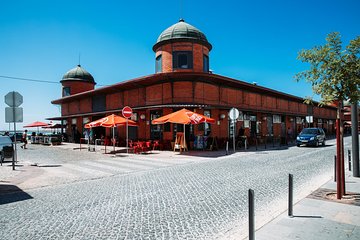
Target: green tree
{"points": [[335, 75]]}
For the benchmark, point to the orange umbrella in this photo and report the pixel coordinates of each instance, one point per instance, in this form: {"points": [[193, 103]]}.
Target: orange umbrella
{"points": [[183, 116], [110, 121]]}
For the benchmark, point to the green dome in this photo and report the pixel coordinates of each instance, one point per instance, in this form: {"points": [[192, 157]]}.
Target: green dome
{"points": [[181, 31], [78, 74]]}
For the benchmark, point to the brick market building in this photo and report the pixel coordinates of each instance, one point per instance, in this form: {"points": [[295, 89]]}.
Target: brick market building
{"points": [[182, 79]]}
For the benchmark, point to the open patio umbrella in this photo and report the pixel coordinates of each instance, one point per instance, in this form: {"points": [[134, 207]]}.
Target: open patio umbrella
{"points": [[37, 124], [112, 121], [183, 116]]}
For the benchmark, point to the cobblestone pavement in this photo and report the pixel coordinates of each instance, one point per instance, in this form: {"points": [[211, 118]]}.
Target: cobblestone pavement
{"points": [[159, 197]]}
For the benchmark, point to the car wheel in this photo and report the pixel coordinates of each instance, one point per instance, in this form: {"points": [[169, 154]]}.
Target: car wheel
{"points": [[317, 143], [298, 145], [324, 143]]}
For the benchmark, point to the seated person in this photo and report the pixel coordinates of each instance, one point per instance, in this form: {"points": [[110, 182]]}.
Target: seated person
{"points": [[241, 138]]}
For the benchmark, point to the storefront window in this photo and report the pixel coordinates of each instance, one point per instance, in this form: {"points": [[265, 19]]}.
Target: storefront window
{"points": [[207, 126], [155, 129]]}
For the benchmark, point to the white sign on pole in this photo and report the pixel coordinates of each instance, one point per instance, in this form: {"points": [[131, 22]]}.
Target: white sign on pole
{"points": [[13, 114], [13, 99], [309, 119], [233, 114]]}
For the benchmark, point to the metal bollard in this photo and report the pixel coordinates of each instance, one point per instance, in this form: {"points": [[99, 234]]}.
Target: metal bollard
{"points": [[227, 147], [265, 142], [251, 215], [335, 168], [349, 159], [290, 205]]}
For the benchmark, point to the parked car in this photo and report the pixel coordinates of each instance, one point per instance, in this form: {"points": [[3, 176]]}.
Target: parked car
{"points": [[6, 147], [311, 137], [18, 137]]}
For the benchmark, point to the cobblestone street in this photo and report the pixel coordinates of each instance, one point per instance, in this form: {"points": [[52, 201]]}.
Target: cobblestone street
{"points": [[84, 195]]}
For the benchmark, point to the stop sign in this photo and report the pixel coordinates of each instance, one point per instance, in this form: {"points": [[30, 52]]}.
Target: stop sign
{"points": [[13, 99], [127, 112]]}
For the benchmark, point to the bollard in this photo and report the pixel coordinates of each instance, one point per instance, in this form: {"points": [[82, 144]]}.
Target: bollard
{"points": [[251, 215], [290, 206], [227, 147], [335, 168], [349, 159], [265, 142]]}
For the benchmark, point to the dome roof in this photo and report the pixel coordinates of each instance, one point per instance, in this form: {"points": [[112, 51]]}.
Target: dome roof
{"points": [[181, 31], [78, 74]]}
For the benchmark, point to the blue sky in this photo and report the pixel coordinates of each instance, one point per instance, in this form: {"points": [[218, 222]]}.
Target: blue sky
{"points": [[253, 41]]}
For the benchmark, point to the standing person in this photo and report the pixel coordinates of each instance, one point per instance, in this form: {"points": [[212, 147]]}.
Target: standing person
{"points": [[24, 139], [289, 135]]}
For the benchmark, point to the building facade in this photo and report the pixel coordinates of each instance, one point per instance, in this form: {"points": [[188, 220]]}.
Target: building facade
{"points": [[183, 79]]}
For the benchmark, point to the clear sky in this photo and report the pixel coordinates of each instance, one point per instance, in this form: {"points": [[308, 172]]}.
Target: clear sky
{"points": [[253, 41]]}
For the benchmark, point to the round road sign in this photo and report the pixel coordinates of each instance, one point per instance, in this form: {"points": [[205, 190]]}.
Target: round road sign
{"points": [[127, 112], [233, 114]]}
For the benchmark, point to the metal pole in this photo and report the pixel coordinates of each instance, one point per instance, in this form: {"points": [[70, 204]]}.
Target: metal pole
{"points": [[349, 159], [234, 130], [335, 168], [15, 150], [127, 136], [114, 138], [251, 215], [355, 138], [227, 147], [290, 206]]}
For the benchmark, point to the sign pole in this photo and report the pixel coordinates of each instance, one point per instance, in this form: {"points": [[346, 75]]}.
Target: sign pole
{"points": [[127, 136], [234, 127], [15, 150], [127, 113]]}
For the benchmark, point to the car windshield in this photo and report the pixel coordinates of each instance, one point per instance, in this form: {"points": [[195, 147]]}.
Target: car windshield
{"points": [[5, 140], [309, 131]]}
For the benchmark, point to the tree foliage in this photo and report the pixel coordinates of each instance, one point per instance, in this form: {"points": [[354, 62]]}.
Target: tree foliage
{"points": [[334, 73]]}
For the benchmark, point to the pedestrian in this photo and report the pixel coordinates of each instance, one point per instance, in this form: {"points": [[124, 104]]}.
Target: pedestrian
{"points": [[24, 139], [289, 135]]}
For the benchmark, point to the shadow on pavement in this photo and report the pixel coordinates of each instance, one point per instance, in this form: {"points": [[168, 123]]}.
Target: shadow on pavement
{"points": [[11, 193]]}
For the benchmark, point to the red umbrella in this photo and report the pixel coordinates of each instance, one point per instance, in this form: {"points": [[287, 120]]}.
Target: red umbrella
{"points": [[36, 124]]}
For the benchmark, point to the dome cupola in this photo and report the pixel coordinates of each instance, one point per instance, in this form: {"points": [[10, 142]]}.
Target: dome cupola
{"points": [[182, 31], [77, 80], [182, 48], [78, 74]]}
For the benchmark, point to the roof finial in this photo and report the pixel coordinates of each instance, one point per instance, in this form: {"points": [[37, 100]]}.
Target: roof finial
{"points": [[181, 11], [79, 65]]}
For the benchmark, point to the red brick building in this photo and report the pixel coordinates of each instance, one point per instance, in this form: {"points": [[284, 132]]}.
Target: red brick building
{"points": [[183, 79]]}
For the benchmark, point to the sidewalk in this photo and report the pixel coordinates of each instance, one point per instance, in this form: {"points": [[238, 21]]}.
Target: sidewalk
{"points": [[320, 216]]}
